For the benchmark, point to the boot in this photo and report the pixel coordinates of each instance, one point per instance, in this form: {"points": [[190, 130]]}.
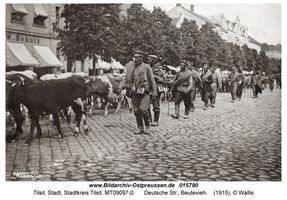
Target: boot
{"points": [[156, 118], [192, 108], [186, 113], [149, 115], [139, 119], [205, 105], [176, 115], [147, 122], [212, 102]]}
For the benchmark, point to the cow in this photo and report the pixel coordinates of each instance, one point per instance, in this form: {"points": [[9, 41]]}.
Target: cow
{"points": [[66, 111], [107, 87], [50, 97], [14, 79]]}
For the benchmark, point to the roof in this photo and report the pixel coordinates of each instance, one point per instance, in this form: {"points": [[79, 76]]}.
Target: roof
{"points": [[46, 57], [18, 55], [253, 40], [40, 11], [179, 12], [19, 8]]}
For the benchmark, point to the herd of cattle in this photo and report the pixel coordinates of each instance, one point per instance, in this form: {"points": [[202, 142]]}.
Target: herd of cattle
{"points": [[59, 94], [52, 94]]}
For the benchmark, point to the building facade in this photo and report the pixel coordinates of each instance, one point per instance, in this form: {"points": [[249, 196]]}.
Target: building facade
{"points": [[31, 40], [230, 31]]}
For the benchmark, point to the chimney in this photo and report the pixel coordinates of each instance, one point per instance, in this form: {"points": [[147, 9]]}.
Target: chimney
{"points": [[178, 5], [192, 8]]}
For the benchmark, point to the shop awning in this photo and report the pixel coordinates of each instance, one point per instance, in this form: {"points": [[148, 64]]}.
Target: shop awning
{"points": [[19, 8], [46, 57], [40, 11], [18, 55]]}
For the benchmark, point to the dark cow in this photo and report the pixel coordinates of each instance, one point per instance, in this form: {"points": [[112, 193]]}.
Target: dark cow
{"points": [[50, 97], [65, 113], [107, 88], [13, 80]]}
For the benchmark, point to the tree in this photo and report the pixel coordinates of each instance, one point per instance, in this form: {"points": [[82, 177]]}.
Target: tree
{"points": [[89, 31], [211, 43], [151, 32], [190, 48]]}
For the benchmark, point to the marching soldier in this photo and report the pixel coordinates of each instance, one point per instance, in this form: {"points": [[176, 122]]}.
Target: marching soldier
{"points": [[233, 83], [206, 89], [197, 83], [158, 73], [241, 83], [182, 86], [214, 86], [256, 83], [271, 82], [140, 85]]}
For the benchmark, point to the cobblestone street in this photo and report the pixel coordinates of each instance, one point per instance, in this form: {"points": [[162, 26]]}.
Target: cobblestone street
{"points": [[238, 141]]}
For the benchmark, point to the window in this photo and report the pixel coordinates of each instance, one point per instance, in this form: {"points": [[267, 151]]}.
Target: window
{"points": [[56, 23], [18, 13], [58, 53], [57, 14], [40, 15], [39, 20], [17, 17]]}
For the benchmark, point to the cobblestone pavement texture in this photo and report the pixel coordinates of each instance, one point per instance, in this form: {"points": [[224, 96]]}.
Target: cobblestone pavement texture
{"points": [[238, 141]]}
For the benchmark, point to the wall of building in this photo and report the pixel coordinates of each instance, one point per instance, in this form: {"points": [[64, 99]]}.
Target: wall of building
{"points": [[29, 34], [254, 46]]}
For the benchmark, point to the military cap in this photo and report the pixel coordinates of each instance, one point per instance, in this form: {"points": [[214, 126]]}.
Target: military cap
{"points": [[153, 56], [138, 52]]}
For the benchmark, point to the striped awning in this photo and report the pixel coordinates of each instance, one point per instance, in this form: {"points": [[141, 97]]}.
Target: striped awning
{"points": [[19, 8], [46, 57], [40, 11], [18, 55]]}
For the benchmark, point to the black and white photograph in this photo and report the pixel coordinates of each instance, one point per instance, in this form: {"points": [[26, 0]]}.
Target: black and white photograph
{"points": [[154, 92]]}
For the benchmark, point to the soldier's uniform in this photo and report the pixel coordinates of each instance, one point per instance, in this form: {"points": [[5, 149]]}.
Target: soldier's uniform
{"points": [[256, 84], [182, 84], [214, 87], [271, 82], [206, 89], [197, 84], [241, 83], [140, 84], [158, 73], [233, 85]]}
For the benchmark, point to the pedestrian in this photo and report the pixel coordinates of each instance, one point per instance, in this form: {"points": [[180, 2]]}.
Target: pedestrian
{"points": [[182, 86], [206, 82], [256, 84], [278, 80], [215, 86], [140, 84], [241, 83], [271, 82], [233, 83], [196, 86], [248, 81], [158, 72]]}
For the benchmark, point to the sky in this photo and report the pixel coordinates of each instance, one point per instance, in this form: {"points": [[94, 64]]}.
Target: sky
{"points": [[263, 20]]}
